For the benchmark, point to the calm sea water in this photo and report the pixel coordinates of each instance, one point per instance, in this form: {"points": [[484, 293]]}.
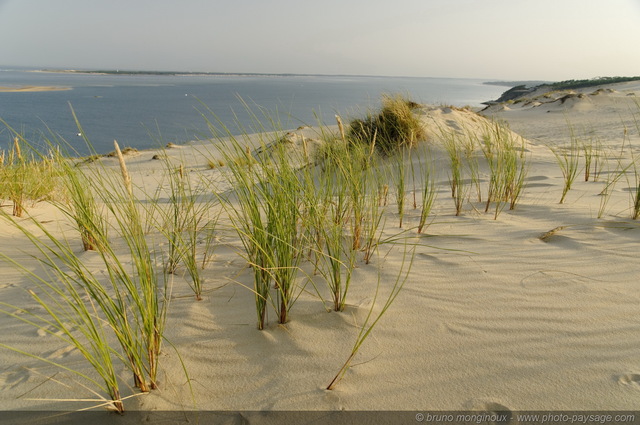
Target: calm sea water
{"points": [[147, 111]]}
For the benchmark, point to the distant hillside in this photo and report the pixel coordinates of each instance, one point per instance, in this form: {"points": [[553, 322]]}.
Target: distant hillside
{"points": [[578, 84], [530, 83], [522, 89]]}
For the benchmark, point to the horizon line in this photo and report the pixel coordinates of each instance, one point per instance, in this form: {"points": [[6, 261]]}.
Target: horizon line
{"points": [[116, 71]]}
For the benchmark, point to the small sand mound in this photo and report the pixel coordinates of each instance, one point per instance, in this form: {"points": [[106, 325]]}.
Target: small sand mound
{"points": [[603, 91], [506, 107], [571, 97], [570, 101], [439, 120]]}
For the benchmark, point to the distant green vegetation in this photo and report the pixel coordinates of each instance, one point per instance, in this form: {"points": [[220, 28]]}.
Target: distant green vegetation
{"points": [[576, 84], [523, 89]]}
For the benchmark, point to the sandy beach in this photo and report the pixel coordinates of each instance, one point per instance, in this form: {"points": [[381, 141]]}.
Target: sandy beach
{"points": [[32, 89], [535, 309]]}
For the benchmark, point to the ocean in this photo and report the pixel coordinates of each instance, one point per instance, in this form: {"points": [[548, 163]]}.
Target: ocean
{"points": [[147, 111]]}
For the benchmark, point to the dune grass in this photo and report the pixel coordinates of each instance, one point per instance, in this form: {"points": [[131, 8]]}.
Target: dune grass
{"points": [[372, 319], [26, 175], [634, 191], [280, 206], [593, 158], [148, 292], [508, 168], [265, 208], [339, 258], [285, 205], [184, 223], [429, 192], [392, 128], [399, 178], [631, 174], [454, 151], [282, 197], [82, 206], [115, 317], [634, 184], [202, 232], [568, 159], [469, 145], [505, 157], [374, 220], [349, 189], [176, 219], [70, 310], [287, 202], [338, 253], [610, 181], [251, 227]]}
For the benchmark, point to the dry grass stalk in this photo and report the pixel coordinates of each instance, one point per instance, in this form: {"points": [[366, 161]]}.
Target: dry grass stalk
{"points": [[547, 235], [305, 149], [384, 195], [16, 148], [123, 169], [341, 128]]}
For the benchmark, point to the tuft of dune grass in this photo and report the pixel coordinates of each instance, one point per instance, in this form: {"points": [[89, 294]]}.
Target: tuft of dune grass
{"points": [[27, 176], [393, 128]]}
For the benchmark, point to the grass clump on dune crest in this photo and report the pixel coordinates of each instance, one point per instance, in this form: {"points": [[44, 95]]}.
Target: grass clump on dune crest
{"points": [[506, 160], [265, 207], [26, 175], [394, 127], [508, 167]]}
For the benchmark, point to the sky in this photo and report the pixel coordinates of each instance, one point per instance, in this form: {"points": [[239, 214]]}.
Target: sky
{"points": [[499, 39]]}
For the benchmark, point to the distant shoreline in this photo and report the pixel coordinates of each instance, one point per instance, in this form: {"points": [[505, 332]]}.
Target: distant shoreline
{"points": [[231, 74], [32, 89], [202, 74], [528, 83]]}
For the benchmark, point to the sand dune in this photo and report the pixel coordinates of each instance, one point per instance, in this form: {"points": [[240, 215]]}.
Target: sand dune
{"points": [[536, 310]]}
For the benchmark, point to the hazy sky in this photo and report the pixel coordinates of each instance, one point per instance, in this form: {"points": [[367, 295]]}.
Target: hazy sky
{"points": [[507, 39]]}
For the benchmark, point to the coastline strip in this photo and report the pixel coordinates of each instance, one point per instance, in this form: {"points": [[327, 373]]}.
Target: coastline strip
{"points": [[32, 89]]}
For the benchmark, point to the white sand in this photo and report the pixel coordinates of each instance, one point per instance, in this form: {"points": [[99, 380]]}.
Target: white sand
{"points": [[490, 318]]}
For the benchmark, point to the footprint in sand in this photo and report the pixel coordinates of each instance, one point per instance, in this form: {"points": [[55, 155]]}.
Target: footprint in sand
{"points": [[501, 413], [62, 352], [554, 281], [536, 181], [49, 330], [42, 332], [13, 379], [630, 379]]}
